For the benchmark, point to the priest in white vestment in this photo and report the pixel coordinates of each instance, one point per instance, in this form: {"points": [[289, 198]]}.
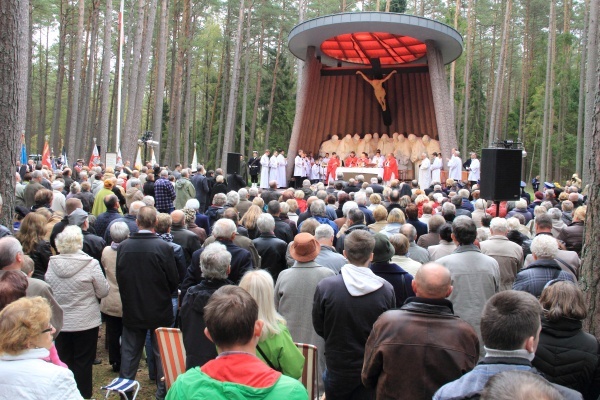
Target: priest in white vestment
{"points": [[273, 173], [424, 172], [264, 169], [474, 169], [281, 173], [436, 167], [455, 166]]}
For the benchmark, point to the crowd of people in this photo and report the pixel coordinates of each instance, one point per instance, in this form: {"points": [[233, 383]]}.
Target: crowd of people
{"points": [[408, 290]]}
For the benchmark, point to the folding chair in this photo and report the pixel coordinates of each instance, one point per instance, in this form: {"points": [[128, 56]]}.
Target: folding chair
{"points": [[122, 385], [310, 372], [172, 353]]}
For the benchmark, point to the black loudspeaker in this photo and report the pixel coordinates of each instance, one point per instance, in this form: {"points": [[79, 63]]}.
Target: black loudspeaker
{"points": [[501, 174], [233, 163]]}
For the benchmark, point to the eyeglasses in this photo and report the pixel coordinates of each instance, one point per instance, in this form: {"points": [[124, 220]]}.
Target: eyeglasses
{"points": [[50, 328]]}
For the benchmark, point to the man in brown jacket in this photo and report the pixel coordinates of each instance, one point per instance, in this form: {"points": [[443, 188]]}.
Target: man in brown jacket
{"points": [[438, 346]]}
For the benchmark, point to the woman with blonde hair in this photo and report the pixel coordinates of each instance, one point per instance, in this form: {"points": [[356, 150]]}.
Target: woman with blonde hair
{"points": [[566, 354], [380, 214], [275, 346], [25, 340], [31, 235], [249, 219], [395, 220], [293, 204]]}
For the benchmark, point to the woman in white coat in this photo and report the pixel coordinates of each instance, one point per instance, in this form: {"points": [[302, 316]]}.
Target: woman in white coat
{"points": [[25, 340], [77, 282]]}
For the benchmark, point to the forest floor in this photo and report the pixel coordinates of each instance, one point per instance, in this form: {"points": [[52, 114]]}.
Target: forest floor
{"points": [[103, 374]]}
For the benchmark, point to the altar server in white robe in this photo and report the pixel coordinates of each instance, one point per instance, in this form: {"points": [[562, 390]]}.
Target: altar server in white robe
{"points": [[474, 169], [436, 167], [281, 173], [265, 160], [455, 166], [299, 169], [273, 163], [424, 172]]}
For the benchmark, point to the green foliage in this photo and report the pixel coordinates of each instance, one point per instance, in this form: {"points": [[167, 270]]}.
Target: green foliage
{"points": [[398, 6]]}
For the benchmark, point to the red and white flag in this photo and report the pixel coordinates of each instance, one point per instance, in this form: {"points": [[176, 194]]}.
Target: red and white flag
{"points": [[46, 156], [95, 158]]}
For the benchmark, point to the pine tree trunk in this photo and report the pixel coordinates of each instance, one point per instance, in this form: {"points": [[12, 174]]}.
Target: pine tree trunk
{"points": [[581, 102], [469, 51], [106, 58], [592, 66], [548, 97], [161, 67], [60, 76], [246, 79], [229, 139], [14, 46], [257, 89], [76, 76], [453, 65], [273, 87], [29, 113], [590, 268], [496, 99]]}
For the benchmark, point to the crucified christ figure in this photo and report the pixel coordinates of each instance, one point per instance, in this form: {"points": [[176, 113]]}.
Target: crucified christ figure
{"points": [[378, 87]]}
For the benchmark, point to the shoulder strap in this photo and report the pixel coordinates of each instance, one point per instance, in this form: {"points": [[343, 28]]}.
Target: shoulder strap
{"points": [[566, 265], [264, 356]]}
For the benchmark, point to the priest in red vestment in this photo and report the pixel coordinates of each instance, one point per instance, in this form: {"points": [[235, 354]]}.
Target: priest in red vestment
{"points": [[332, 166], [351, 161], [390, 168]]}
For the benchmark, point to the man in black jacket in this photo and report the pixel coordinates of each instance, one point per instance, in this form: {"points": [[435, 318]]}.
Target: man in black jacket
{"points": [[200, 183], [345, 307], [224, 232], [147, 276], [270, 248], [282, 230]]}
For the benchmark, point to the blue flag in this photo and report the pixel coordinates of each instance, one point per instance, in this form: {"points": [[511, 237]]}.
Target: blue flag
{"points": [[23, 154]]}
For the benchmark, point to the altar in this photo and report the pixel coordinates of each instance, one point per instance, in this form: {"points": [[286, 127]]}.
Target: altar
{"points": [[368, 173]]}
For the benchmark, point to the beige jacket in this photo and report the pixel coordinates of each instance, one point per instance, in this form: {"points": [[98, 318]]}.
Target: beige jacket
{"points": [[111, 304], [509, 256]]}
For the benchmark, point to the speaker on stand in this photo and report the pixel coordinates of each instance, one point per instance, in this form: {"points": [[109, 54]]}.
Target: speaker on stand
{"points": [[501, 175], [233, 163]]}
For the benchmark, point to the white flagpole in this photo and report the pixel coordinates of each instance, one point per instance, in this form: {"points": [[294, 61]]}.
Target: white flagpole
{"points": [[119, 83]]}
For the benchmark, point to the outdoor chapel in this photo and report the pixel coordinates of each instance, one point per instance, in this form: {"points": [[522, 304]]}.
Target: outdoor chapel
{"points": [[328, 200]]}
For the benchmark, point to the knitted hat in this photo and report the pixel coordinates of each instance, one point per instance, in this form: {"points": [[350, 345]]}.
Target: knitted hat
{"points": [[383, 251], [305, 247]]}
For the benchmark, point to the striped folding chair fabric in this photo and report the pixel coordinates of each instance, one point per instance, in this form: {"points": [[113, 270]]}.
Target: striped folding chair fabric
{"points": [[310, 372], [122, 385], [172, 353]]}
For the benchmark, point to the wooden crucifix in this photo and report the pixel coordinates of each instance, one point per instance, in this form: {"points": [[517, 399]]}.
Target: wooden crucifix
{"points": [[380, 93]]}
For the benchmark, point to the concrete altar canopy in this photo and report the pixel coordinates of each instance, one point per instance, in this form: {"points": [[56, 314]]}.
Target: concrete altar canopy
{"points": [[373, 72], [355, 38]]}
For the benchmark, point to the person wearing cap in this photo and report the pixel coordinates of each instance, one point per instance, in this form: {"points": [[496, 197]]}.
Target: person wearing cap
{"points": [[254, 168], [345, 307], [441, 347], [295, 285], [524, 194], [381, 266], [93, 245]]}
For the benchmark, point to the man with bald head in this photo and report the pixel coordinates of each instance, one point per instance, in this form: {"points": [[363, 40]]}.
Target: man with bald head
{"points": [[441, 346], [187, 239]]}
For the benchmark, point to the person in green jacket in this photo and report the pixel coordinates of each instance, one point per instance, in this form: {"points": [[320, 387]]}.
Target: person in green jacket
{"points": [[275, 347], [232, 323], [184, 190]]}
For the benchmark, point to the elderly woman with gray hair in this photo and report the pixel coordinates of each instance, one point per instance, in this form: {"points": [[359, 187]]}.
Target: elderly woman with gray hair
{"points": [[215, 263], [111, 305], [77, 282]]}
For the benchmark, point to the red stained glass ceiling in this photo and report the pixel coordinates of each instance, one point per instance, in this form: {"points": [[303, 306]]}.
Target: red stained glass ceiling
{"points": [[359, 47]]}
